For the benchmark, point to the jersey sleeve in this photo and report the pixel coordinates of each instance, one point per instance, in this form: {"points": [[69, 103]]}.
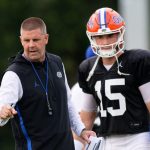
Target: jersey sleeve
{"points": [[83, 71], [142, 68]]}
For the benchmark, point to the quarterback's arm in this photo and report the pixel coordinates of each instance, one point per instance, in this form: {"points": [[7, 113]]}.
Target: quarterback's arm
{"points": [[88, 118], [144, 89], [10, 92], [89, 110]]}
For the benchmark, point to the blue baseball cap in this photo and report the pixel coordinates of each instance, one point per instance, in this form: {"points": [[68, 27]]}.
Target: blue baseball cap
{"points": [[89, 52]]}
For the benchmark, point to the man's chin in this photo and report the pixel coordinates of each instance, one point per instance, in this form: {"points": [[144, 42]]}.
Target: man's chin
{"points": [[36, 59]]}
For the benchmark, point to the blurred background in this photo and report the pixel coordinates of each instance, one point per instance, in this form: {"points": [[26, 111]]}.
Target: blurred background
{"points": [[66, 24]]}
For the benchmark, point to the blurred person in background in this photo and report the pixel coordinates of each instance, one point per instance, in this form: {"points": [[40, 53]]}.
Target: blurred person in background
{"points": [[35, 94], [119, 82]]}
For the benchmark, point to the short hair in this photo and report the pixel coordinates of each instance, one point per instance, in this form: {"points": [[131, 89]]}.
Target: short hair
{"points": [[33, 23]]}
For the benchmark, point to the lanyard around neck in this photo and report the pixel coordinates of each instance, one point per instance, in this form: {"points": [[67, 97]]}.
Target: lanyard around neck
{"points": [[46, 85]]}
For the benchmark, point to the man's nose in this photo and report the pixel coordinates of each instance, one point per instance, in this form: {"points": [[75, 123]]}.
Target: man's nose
{"points": [[31, 43], [104, 40]]}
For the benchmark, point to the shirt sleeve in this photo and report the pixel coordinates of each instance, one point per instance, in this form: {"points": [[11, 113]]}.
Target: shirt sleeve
{"points": [[10, 91], [76, 97], [89, 103], [75, 120], [82, 101], [144, 89]]}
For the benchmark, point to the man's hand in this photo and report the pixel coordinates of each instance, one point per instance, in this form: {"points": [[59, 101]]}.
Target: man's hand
{"points": [[85, 134], [7, 111]]}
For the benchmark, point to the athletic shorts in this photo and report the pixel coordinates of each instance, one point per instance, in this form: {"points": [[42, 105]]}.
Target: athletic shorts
{"points": [[140, 141]]}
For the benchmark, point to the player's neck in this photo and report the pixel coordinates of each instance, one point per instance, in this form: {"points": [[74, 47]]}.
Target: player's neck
{"points": [[110, 60]]}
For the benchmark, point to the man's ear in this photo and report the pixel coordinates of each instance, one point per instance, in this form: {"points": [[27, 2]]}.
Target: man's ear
{"points": [[46, 38]]}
